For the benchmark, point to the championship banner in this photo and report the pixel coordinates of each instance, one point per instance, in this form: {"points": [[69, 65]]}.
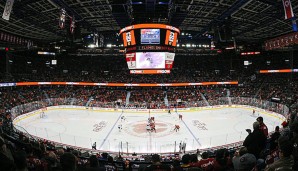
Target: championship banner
{"points": [[282, 41], [62, 18], [288, 9], [294, 24], [72, 25], [7, 9], [4, 37]]}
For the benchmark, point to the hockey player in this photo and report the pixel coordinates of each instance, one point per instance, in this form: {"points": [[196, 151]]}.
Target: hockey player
{"points": [[152, 126], [123, 118], [120, 127], [177, 127], [148, 128], [180, 117], [94, 146]]}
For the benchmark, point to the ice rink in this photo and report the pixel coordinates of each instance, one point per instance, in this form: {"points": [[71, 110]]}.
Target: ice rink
{"points": [[198, 129]]}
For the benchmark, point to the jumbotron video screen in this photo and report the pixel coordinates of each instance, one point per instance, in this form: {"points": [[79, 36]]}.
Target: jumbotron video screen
{"points": [[150, 48]]}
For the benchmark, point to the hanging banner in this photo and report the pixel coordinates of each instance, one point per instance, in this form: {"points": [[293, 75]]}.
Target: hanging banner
{"points": [[7, 9], [288, 9], [62, 18], [294, 24], [72, 25], [282, 41]]}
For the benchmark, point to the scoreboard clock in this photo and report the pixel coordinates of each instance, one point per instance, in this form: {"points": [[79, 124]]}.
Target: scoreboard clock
{"points": [[149, 34], [150, 48]]}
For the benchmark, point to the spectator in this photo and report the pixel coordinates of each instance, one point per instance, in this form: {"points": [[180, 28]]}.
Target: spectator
{"points": [[255, 142], [110, 165], [185, 161], [6, 161], [247, 162], [263, 127], [285, 153], [243, 160], [294, 128], [93, 164], [68, 162], [222, 161], [206, 163], [157, 165], [194, 160], [238, 153], [273, 138], [286, 132], [7, 123], [1, 124], [93, 161], [176, 165], [20, 161]]}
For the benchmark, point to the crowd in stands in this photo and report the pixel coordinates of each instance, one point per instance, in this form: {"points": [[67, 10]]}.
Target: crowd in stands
{"points": [[19, 152], [260, 151], [114, 69], [276, 152]]}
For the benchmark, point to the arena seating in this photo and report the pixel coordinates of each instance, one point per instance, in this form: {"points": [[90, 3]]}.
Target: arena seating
{"points": [[43, 154]]}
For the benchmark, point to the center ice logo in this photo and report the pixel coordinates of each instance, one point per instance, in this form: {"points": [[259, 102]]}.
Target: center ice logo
{"points": [[138, 129]]}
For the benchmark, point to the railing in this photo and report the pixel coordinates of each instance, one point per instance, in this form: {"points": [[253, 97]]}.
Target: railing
{"points": [[118, 145]]}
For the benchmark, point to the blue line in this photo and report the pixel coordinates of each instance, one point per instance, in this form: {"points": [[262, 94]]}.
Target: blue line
{"points": [[105, 139], [190, 131]]}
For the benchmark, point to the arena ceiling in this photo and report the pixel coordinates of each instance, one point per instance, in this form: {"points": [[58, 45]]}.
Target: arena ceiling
{"points": [[251, 20]]}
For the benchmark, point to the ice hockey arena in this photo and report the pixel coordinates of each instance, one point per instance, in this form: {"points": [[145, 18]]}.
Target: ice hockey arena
{"points": [[153, 85]]}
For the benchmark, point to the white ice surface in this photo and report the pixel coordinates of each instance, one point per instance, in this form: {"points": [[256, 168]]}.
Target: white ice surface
{"points": [[78, 128]]}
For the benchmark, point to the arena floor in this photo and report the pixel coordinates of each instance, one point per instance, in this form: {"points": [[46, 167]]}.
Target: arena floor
{"points": [[198, 129]]}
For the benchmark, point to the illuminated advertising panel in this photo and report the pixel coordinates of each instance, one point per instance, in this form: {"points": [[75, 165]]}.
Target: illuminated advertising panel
{"points": [[171, 38], [131, 60], [150, 60], [129, 38]]}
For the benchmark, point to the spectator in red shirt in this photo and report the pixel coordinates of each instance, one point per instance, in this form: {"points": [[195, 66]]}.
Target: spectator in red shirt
{"points": [[263, 127], [206, 163]]}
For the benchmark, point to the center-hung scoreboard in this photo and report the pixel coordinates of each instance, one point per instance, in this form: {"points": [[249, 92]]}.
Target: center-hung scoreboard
{"points": [[150, 48]]}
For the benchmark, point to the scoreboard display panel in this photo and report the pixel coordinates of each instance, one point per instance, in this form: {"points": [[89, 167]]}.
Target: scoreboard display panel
{"points": [[150, 60], [150, 47], [149, 34]]}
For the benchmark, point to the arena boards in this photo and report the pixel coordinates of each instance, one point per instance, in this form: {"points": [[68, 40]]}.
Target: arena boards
{"points": [[125, 130]]}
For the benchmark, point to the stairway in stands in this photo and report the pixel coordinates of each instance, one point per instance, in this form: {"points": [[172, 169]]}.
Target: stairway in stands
{"points": [[47, 98], [127, 98], [166, 98], [228, 96], [204, 98], [89, 101]]}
